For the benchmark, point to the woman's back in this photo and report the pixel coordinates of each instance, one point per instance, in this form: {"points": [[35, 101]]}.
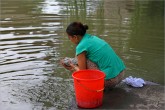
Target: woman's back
{"points": [[101, 53]]}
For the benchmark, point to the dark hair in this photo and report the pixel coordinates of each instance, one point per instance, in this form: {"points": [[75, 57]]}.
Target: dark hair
{"points": [[76, 28]]}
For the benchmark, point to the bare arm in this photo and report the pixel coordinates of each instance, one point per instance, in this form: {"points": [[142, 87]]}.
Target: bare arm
{"points": [[81, 62]]}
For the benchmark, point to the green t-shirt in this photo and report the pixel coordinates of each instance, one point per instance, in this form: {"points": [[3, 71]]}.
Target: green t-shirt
{"points": [[101, 53]]}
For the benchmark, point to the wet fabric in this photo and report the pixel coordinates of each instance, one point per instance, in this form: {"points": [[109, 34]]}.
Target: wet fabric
{"points": [[135, 82]]}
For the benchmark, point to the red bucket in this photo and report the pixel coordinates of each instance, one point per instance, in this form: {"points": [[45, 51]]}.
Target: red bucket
{"points": [[89, 86]]}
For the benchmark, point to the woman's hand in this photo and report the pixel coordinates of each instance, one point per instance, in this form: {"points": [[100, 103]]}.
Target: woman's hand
{"points": [[71, 66], [75, 68], [66, 66]]}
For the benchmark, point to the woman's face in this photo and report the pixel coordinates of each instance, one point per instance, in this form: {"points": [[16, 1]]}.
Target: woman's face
{"points": [[73, 39]]}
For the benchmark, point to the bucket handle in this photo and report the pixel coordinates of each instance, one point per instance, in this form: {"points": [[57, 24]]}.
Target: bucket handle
{"points": [[89, 88]]}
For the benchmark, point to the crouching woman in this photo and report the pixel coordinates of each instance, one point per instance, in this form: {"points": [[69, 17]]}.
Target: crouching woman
{"points": [[93, 52]]}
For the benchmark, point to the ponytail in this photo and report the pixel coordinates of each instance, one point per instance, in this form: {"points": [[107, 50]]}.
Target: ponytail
{"points": [[85, 27], [76, 28]]}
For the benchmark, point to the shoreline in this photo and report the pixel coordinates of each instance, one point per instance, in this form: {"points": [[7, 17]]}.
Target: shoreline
{"points": [[123, 96]]}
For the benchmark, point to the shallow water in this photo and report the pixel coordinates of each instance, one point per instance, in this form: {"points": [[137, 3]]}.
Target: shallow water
{"points": [[33, 40]]}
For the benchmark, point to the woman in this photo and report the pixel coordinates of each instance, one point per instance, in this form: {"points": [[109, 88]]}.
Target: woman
{"points": [[94, 53]]}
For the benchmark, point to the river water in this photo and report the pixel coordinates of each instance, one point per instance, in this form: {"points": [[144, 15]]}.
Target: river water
{"points": [[33, 40]]}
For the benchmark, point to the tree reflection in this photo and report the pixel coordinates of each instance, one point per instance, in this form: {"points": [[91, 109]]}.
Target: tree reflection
{"points": [[87, 12], [147, 39]]}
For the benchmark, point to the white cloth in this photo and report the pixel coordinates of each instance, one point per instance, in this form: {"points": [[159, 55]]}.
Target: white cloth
{"points": [[135, 82]]}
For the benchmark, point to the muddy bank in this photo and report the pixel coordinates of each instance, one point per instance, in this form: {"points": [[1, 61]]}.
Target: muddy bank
{"points": [[150, 96]]}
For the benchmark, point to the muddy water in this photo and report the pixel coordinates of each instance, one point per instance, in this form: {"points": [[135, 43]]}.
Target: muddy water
{"points": [[33, 40]]}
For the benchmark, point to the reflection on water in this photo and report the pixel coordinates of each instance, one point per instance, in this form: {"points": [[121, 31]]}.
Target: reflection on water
{"points": [[33, 40]]}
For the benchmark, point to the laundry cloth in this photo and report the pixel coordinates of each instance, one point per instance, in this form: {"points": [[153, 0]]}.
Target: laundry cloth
{"points": [[135, 82], [68, 60]]}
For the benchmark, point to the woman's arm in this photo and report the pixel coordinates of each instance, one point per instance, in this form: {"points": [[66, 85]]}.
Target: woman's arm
{"points": [[82, 61], [81, 58]]}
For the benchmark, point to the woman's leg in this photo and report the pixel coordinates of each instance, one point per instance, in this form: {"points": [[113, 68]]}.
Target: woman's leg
{"points": [[91, 65], [114, 81]]}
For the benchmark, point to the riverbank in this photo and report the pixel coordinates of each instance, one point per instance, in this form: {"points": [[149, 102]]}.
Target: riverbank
{"points": [[150, 96]]}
